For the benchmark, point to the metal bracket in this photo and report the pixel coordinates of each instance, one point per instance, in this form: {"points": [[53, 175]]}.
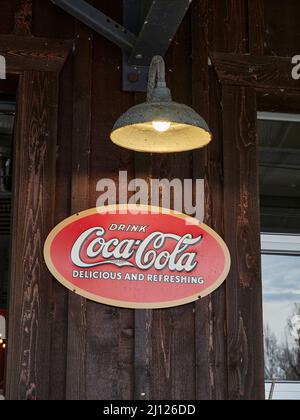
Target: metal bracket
{"points": [[135, 76], [150, 26]]}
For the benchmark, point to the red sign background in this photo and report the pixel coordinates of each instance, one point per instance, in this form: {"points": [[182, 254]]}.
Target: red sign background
{"points": [[129, 286]]}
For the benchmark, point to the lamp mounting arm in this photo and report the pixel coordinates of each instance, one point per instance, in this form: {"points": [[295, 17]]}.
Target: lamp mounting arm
{"points": [[99, 22], [149, 29], [157, 76]]}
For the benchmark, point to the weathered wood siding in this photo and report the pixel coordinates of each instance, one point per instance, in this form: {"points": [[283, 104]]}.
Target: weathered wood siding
{"points": [[208, 350]]}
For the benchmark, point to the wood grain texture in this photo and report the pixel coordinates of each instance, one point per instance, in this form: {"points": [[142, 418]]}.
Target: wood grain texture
{"points": [[164, 339], [228, 32], [143, 388], [143, 319], [278, 101], [242, 233], [173, 359], [173, 373], [47, 24], [59, 313], [23, 17], [31, 283], [82, 102], [213, 352], [110, 333], [211, 362], [255, 71], [200, 53], [28, 53], [228, 26], [256, 27]]}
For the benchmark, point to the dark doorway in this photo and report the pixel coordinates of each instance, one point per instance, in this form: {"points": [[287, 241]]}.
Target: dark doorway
{"points": [[7, 124]]}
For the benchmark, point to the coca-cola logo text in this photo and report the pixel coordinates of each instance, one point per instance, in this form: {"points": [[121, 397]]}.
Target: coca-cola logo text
{"points": [[92, 249]]}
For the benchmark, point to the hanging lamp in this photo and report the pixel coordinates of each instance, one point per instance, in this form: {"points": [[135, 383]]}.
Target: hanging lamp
{"points": [[160, 125]]}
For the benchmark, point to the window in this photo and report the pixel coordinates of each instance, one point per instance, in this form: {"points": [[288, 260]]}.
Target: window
{"points": [[279, 168], [281, 297]]}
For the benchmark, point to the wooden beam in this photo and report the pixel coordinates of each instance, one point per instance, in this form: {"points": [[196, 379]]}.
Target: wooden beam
{"points": [[29, 53], [278, 101], [82, 97], [110, 332], [28, 364], [255, 71], [242, 235], [210, 343]]}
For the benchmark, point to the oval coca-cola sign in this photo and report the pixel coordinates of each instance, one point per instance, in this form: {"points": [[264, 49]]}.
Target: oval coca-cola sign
{"points": [[137, 257]]}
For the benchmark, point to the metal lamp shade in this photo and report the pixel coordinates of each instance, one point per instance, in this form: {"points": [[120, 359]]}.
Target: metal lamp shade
{"points": [[134, 130]]}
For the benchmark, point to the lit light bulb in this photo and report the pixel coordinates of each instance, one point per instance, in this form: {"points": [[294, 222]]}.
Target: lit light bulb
{"points": [[4, 346], [161, 126]]}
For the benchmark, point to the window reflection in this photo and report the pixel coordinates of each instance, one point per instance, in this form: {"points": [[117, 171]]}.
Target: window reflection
{"points": [[279, 169], [281, 294]]}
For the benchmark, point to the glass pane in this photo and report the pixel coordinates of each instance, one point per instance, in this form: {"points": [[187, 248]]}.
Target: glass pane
{"points": [[279, 164], [281, 296], [282, 390], [279, 170]]}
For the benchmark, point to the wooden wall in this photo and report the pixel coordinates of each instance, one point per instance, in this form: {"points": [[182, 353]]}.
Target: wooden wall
{"points": [[208, 350]]}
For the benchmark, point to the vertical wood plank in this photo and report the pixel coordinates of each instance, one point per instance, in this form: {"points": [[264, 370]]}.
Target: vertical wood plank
{"points": [[173, 360], [211, 343], [143, 389], [62, 210], [215, 212], [165, 339], [23, 17], [228, 26], [211, 351], [200, 57], [242, 232], [110, 337], [28, 363], [200, 89], [82, 109], [256, 27], [173, 373], [143, 319], [49, 21]]}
